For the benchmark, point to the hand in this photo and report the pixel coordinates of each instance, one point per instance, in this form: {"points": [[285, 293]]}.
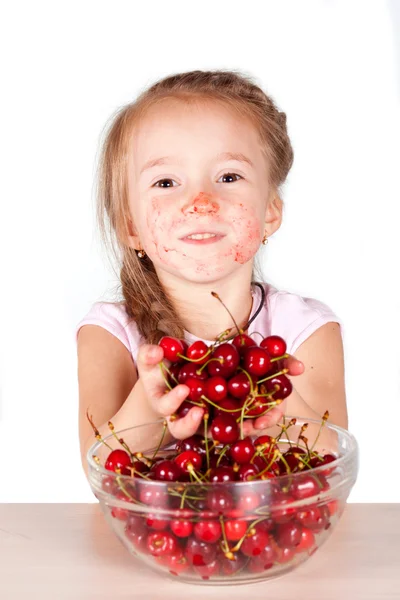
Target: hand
{"points": [[165, 403], [250, 426]]}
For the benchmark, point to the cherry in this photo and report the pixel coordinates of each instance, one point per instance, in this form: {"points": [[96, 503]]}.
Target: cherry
{"points": [[275, 345], [184, 409], [314, 517], [153, 495], [187, 458], [166, 470], [279, 511], [181, 528], [176, 562], [242, 451], [285, 555], [235, 529], [281, 385], [256, 543], [156, 523], [248, 500], [207, 531], [231, 404], [265, 444], [191, 370], [256, 361], [221, 460], [194, 442], [304, 487], [138, 537], [216, 388], [230, 567], [242, 341], [109, 485], [258, 565], [200, 553], [198, 352], [239, 386], [120, 513], [173, 373], [307, 540], [225, 429], [229, 358], [248, 471], [172, 348], [197, 388], [118, 459], [160, 543], [140, 467], [207, 571], [219, 501], [288, 535], [222, 474]]}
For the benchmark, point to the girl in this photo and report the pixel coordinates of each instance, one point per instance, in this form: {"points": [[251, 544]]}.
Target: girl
{"points": [[189, 179]]}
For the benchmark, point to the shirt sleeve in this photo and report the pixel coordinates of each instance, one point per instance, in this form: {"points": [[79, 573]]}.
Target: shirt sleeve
{"points": [[297, 317], [111, 317]]}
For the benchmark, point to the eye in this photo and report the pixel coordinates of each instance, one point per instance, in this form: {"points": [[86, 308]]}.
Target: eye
{"points": [[160, 181], [232, 175]]}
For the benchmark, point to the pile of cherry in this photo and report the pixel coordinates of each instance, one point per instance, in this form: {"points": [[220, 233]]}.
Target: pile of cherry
{"points": [[188, 521]]}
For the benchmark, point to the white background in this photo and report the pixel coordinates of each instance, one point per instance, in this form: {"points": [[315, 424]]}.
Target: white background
{"points": [[333, 67]]}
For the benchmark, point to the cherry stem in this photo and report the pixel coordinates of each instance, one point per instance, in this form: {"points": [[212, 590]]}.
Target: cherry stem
{"points": [[245, 403], [324, 419], [215, 295], [205, 419], [282, 372], [220, 360], [165, 424], [162, 367], [119, 440], [124, 490], [250, 527], [96, 431], [271, 462], [226, 550], [229, 410], [221, 454], [275, 358], [195, 360], [249, 378], [192, 472], [270, 405]]}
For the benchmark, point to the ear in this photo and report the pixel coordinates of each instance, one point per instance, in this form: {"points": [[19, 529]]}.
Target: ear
{"points": [[273, 215], [133, 240]]}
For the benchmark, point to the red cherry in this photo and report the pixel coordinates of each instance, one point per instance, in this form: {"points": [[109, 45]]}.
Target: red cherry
{"points": [[231, 404], [194, 442], [275, 345], [219, 501], [242, 451], [281, 385], [191, 370], [160, 543], [138, 537], [222, 474], [314, 517], [109, 485], [225, 429], [307, 540], [120, 513], [223, 461], [153, 494], [239, 386], [139, 467], [190, 457], [256, 543], [256, 361], [267, 444], [207, 571], [248, 500], [248, 471], [173, 373], [216, 388], [197, 388], [285, 555], [172, 348], [305, 486], [166, 470], [197, 352], [279, 511], [207, 531], [200, 553], [228, 360], [288, 535], [235, 529], [230, 567], [156, 523], [181, 528], [242, 340], [118, 459], [176, 562], [183, 409]]}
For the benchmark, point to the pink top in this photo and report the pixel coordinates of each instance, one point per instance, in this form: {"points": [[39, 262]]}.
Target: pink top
{"points": [[289, 315]]}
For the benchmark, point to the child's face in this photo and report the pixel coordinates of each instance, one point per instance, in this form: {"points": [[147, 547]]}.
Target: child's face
{"points": [[194, 191]]}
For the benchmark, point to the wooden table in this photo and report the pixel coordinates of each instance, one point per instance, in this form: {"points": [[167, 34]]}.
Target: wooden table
{"points": [[68, 552]]}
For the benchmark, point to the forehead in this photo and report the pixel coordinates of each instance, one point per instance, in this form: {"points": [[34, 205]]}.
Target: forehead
{"points": [[175, 127]]}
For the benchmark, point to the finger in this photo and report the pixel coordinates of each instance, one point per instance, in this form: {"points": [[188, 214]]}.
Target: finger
{"points": [[153, 378], [296, 367], [148, 356], [187, 425], [167, 404], [270, 419]]}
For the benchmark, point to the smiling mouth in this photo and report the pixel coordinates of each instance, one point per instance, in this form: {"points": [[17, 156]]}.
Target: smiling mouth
{"points": [[202, 238]]}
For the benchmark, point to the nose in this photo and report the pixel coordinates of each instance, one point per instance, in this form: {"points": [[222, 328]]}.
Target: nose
{"points": [[202, 204]]}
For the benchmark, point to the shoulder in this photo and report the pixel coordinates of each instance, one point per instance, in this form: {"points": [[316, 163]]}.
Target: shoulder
{"points": [[296, 317], [113, 317]]}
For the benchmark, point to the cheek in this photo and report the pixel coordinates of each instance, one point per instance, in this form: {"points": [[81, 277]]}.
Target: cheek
{"points": [[246, 225], [160, 226]]}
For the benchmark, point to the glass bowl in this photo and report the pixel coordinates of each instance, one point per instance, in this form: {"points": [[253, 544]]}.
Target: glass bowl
{"points": [[228, 532]]}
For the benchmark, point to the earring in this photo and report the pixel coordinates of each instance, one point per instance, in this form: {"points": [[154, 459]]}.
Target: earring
{"points": [[265, 240], [141, 253]]}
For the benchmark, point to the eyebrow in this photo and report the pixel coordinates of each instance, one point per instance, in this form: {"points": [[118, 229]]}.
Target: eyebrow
{"points": [[163, 160]]}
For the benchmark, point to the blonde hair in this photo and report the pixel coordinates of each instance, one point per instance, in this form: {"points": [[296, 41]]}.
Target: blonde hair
{"points": [[146, 302]]}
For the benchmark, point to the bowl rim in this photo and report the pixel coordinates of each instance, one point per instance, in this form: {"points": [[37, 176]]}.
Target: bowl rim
{"points": [[348, 457]]}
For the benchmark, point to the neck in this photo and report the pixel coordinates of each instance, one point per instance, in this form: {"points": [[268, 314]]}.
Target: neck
{"points": [[203, 315]]}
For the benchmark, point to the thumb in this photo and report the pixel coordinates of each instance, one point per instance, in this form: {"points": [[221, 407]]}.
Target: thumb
{"points": [[148, 356]]}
